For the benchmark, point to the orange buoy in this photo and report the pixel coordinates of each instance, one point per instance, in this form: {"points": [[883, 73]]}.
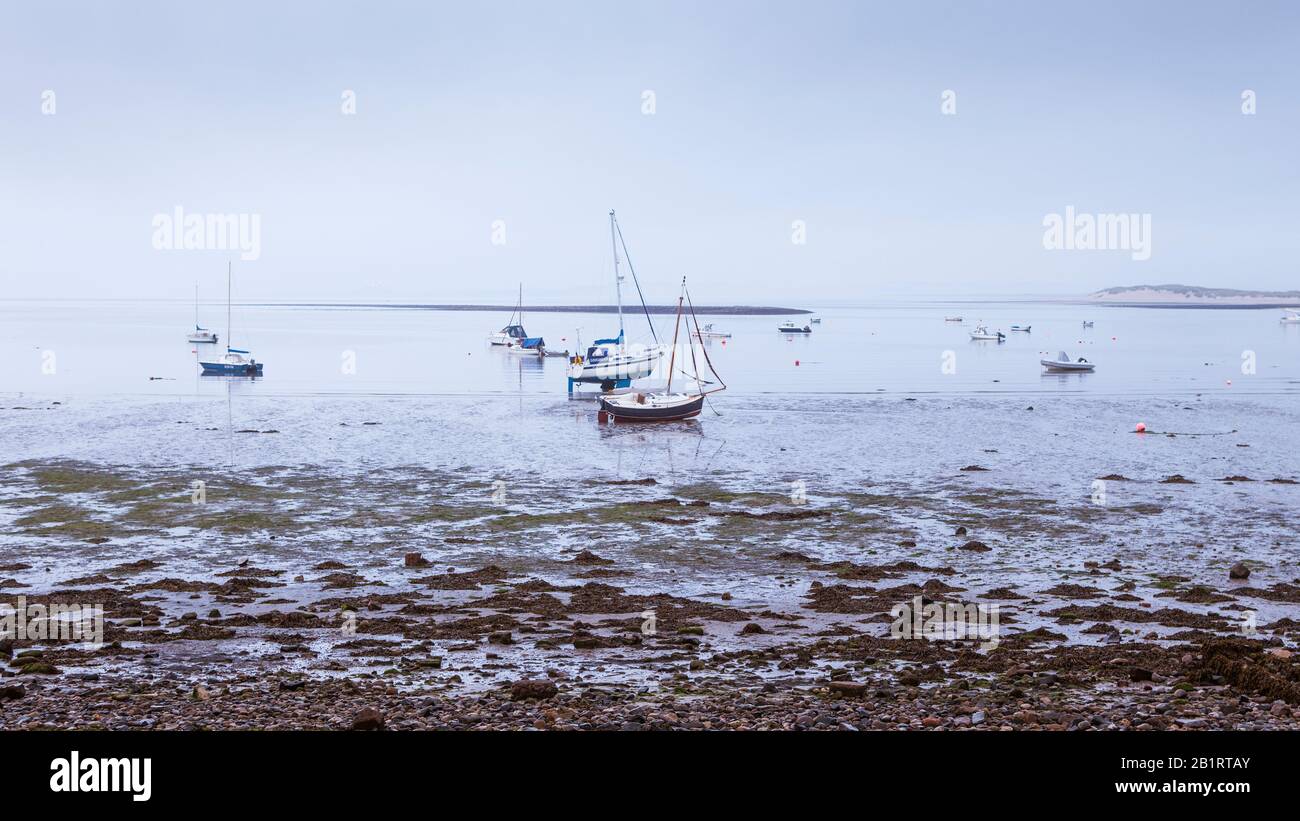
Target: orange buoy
{"points": [[1141, 427]]}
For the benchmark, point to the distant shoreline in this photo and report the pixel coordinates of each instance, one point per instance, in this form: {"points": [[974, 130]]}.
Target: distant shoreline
{"points": [[713, 310]]}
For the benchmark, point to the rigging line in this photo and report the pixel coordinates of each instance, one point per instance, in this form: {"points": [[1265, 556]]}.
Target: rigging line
{"points": [[636, 281], [703, 349]]}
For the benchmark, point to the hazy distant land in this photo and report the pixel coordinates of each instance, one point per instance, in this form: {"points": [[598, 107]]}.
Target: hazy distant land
{"points": [[1192, 296]]}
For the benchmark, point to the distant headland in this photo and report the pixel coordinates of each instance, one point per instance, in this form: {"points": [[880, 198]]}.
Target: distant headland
{"points": [[1192, 296], [716, 310]]}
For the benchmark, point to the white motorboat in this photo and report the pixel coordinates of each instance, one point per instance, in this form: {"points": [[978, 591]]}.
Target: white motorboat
{"points": [[707, 332], [1024, 329], [1291, 317], [1087, 323], [612, 363], [952, 319], [1063, 362], [983, 333], [792, 328]]}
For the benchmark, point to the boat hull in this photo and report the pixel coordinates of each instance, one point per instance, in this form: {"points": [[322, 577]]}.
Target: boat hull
{"points": [[228, 369], [1067, 367], [794, 330], [616, 368], [627, 409]]}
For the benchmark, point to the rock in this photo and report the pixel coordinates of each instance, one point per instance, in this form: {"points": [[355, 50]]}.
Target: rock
{"points": [[960, 531], [533, 688], [12, 692], [214, 613], [847, 689], [38, 668], [931, 721], [1239, 571], [977, 547], [908, 680], [201, 693], [6, 649], [977, 717], [751, 628], [368, 719], [502, 637], [1279, 652], [416, 560], [191, 616], [1139, 674]]}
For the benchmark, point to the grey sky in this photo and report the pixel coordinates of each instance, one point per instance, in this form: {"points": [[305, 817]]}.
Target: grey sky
{"points": [[531, 113]]}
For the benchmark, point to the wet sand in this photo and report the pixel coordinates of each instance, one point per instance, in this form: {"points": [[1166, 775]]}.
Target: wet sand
{"points": [[635, 605]]}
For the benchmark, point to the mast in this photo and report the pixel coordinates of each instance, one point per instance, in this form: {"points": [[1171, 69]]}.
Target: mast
{"points": [[196, 306], [618, 280], [519, 306], [672, 359], [228, 337]]}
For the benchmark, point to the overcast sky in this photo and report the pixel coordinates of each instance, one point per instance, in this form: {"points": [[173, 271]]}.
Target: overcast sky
{"points": [[533, 114]]}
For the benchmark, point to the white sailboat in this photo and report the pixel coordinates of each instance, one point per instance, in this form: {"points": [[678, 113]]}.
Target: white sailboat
{"points": [[611, 363], [1291, 317], [201, 335]]}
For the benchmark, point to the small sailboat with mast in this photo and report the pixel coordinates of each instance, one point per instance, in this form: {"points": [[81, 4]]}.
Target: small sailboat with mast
{"points": [[611, 363], [667, 406], [513, 332], [201, 335], [234, 362]]}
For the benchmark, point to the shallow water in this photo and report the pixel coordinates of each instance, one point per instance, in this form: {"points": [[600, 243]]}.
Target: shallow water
{"points": [[440, 445]]}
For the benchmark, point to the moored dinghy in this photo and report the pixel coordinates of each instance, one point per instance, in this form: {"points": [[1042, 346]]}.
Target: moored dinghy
{"points": [[1063, 363], [665, 406], [983, 333]]}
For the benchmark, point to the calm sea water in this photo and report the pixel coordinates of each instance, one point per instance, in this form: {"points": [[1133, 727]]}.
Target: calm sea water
{"points": [[414, 447], [120, 349]]}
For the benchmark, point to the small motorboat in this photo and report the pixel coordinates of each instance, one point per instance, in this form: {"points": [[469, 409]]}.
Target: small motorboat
{"points": [[707, 332], [528, 346], [1064, 363], [815, 320], [952, 319], [1291, 317], [1022, 328], [1087, 323], [791, 328], [982, 333]]}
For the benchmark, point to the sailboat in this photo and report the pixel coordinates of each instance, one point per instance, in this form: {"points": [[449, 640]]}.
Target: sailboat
{"points": [[514, 330], [234, 362], [609, 362], [1291, 317], [666, 406], [201, 335]]}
